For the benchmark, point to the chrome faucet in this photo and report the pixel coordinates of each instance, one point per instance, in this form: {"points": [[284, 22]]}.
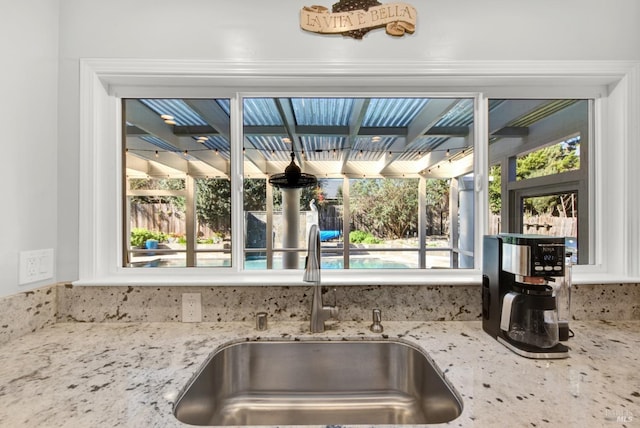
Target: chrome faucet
{"points": [[319, 312]]}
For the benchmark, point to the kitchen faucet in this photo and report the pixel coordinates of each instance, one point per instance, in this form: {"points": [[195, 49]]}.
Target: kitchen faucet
{"points": [[319, 312]]}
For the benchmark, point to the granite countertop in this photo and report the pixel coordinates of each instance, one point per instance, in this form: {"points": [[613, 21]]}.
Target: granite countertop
{"points": [[129, 374]]}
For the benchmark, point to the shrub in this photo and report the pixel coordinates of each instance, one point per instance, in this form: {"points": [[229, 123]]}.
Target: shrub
{"points": [[360, 237], [140, 235]]}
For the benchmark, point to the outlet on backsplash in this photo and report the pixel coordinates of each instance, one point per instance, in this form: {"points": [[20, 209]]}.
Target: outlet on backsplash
{"points": [[35, 266], [191, 307]]}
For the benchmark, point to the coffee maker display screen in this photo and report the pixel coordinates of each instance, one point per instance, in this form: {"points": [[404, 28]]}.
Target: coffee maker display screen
{"points": [[547, 259]]}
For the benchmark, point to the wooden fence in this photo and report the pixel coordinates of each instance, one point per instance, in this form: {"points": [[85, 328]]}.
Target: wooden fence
{"points": [[165, 218], [168, 219], [540, 225]]}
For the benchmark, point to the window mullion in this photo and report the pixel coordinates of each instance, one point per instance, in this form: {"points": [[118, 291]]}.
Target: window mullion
{"points": [[190, 221], [346, 220], [269, 237], [237, 183], [422, 223], [481, 174]]}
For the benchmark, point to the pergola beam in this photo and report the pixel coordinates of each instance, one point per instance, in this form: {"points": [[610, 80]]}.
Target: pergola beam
{"points": [[286, 112], [356, 118], [148, 121]]}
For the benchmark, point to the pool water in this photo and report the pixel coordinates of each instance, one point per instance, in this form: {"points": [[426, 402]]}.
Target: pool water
{"points": [[338, 263], [257, 264]]}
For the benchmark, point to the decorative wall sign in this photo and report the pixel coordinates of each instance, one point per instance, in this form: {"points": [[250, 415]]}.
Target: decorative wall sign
{"points": [[355, 18]]}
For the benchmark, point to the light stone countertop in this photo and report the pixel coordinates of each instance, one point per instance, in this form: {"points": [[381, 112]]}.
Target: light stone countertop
{"points": [[129, 374]]}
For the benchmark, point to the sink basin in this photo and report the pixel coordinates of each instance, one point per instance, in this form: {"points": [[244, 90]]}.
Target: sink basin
{"points": [[318, 383]]}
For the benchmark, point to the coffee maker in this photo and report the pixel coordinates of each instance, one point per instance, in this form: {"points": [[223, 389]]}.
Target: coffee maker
{"points": [[520, 275]]}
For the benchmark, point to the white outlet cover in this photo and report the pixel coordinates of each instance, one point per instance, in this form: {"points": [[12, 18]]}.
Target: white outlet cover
{"points": [[191, 307], [36, 265]]}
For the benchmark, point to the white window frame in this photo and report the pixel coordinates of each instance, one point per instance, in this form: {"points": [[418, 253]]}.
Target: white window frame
{"points": [[103, 82]]}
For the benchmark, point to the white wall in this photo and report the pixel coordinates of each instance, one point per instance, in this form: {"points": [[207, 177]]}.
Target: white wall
{"points": [[28, 113], [255, 30]]}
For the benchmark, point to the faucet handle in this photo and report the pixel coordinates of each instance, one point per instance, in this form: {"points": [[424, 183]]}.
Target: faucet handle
{"points": [[376, 327], [261, 321]]}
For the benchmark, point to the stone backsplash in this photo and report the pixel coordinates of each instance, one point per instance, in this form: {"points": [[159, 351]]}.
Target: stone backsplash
{"points": [[29, 311], [220, 304]]}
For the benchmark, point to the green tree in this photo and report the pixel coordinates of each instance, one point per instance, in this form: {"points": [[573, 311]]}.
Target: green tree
{"points": [[387, 208], [158, 184], [495, 189], [437, 200], [213, 203], [550, 160], [255, 194]]}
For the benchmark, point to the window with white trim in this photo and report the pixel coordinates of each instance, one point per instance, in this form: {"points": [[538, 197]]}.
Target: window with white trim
{"points": [[103, 83], [393, 179]]}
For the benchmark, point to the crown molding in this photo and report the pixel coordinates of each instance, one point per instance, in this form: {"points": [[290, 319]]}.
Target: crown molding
{"points": [[121, 74]]}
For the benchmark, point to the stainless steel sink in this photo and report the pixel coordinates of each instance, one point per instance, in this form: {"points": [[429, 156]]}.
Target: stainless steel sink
{"points": [[318, 382]]}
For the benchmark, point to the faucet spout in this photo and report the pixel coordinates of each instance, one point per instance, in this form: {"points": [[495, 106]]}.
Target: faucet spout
{"points": [[319, 312], [312, 264]]}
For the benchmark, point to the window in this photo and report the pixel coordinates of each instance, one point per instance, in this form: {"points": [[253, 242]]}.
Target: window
{"points": [[610, 196], [385, 172], [177, 183], [393, 179], [539, 171], [372, 158]]}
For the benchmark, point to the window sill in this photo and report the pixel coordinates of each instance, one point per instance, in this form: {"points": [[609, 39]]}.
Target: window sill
{"points": [[213, 277]]}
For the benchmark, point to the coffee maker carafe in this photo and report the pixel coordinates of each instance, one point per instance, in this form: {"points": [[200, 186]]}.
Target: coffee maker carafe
{"points": [[529, 316], [519, 306]]}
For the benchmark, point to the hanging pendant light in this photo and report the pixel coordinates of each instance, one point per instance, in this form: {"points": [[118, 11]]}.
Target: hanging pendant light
{"points": [[293, 177]]}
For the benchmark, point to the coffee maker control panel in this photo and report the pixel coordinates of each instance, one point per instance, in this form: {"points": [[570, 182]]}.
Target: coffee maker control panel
{"points": [[529, 255], [548, 260]]}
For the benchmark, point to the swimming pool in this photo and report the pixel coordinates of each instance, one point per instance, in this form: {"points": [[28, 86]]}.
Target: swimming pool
{"points": [[335, 263], [258, 264]]}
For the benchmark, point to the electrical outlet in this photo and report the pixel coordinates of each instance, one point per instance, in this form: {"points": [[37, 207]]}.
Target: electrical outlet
{"points": [[35, 266], [191, 307]]}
